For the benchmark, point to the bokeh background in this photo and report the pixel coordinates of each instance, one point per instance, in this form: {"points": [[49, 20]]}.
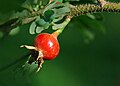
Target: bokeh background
{"points": [[96, 63]]}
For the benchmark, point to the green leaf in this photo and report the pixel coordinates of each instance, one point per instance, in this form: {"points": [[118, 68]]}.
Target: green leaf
{"points": [[48, 7], [40, 22], [22, 14], [53, 5], [39, 29], [59, 12], [32, 28], [29, 68], [58, 26], [91, 16], [97, 16], [61, 26], [88, 35], [55, 11], [44, 2], [41, 25], [58, 0], [27, 5], [86, 32], [57, 19], [92, 24], [14, 31], [46, 25], [48, 14]]}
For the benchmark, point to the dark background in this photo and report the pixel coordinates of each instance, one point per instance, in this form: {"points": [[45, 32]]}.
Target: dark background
{"points": [[79, 64]]}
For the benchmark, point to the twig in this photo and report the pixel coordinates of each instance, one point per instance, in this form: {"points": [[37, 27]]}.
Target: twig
{"points": [[74, 11], [94, 8]]}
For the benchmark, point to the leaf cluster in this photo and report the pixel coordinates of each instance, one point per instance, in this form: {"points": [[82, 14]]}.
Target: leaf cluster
{"points": [[46, 14]]}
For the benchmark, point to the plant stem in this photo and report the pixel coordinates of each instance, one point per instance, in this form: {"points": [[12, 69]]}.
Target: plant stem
{"points": [[74, 11], [60, 30], [93, 8]]}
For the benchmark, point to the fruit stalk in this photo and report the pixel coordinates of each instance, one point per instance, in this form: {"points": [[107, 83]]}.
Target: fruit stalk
{"points": [[60, 30]]}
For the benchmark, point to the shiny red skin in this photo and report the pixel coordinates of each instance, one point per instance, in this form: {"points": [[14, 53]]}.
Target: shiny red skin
{"points": [[48, 44]]}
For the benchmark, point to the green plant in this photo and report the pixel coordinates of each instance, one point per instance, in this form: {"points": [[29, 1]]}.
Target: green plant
{"points": [[57, 14]]}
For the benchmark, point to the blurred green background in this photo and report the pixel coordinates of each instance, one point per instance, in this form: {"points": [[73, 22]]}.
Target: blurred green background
{"points": [[78, 64]]}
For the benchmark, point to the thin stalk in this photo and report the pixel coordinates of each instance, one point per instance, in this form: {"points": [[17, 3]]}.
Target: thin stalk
{"points": [[60, 30]]}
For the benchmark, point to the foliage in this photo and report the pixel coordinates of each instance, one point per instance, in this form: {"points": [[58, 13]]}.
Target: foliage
{"points": [[56, 15], [92, 64], [47, 14]]}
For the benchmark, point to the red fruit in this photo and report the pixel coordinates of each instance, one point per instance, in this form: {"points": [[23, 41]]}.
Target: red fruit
{"points": [[48, 45]]}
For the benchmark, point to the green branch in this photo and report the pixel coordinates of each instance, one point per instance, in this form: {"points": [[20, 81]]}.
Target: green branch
{"points": [[93, 8], [74, 11]]}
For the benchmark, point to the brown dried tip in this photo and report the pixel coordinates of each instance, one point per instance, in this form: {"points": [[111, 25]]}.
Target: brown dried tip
{"points": [[36, 56]]}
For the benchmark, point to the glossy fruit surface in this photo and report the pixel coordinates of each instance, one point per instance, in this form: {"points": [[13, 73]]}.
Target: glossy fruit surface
{"points": [[48, 45]]}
